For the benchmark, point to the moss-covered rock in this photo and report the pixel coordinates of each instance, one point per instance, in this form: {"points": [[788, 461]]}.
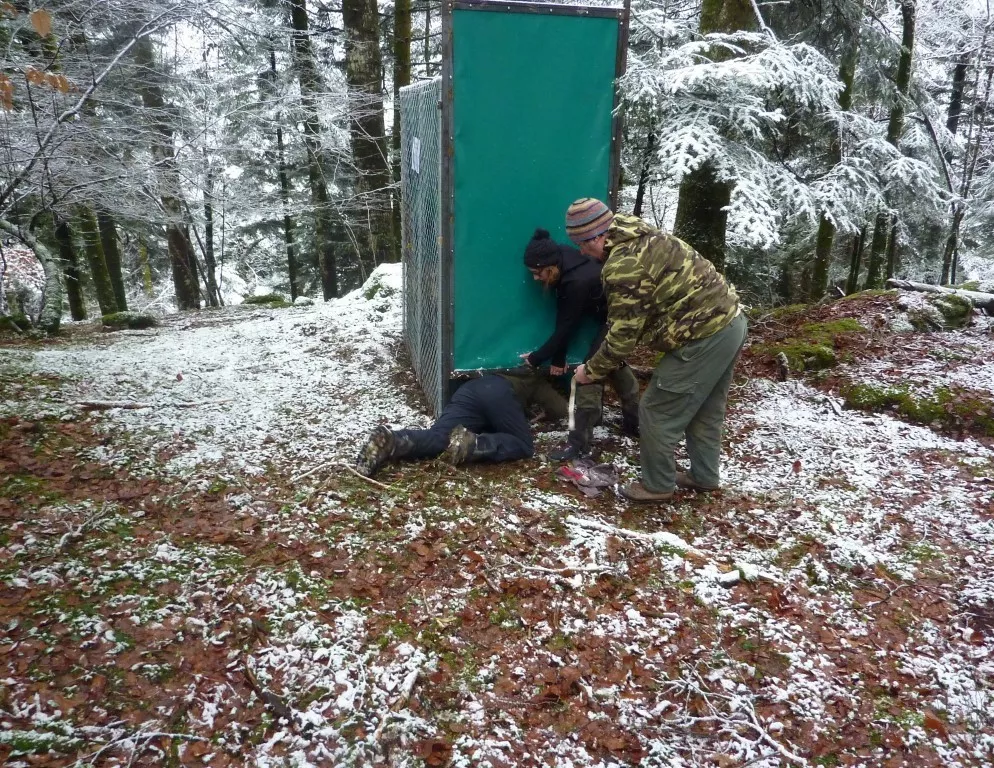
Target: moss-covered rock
{"points": [[954, 409], [869, 293], [271, 300], [17, 323], [936, 311], [132, 320], [816, 345], [375, 286]]}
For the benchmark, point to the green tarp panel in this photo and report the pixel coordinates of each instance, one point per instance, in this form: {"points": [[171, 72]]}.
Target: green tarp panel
{"points": [[532, 100]]}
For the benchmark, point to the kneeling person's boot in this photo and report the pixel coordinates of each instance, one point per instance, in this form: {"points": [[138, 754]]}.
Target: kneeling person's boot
{"points": [[578, 439], [466, 446], [382, 445]]}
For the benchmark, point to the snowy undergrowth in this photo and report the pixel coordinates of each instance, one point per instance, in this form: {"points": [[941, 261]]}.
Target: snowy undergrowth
{"points": [[298, 385], [829, 605]]}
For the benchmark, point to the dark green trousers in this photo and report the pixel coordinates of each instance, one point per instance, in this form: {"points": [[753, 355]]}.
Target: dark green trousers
{"points": [[589, 397], [686, 397]]}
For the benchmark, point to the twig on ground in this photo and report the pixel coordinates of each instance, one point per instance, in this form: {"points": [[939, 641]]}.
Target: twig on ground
{"points": [[270, 699], [76, 533], [369, 480], [130, 405], [138, 742], [405, 694]]}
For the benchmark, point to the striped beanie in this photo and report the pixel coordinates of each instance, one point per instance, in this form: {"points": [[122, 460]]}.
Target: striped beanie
{"points": [[586, 219]]}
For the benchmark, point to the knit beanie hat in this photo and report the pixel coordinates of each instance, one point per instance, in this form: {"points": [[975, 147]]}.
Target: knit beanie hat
{"points": [[541, 251], [586, 219]]}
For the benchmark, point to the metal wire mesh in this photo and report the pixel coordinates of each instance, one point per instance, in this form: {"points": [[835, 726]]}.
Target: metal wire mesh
{"points": [[421, 203]]}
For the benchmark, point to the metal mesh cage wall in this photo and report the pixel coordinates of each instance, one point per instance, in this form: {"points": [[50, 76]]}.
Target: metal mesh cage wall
{"points": [[420, 142]]}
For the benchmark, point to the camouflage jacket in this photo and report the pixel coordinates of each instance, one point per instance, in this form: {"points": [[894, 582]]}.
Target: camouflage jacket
{"points": [[660, 291]]}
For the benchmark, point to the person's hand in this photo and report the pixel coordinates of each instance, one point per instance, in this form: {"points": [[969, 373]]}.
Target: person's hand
{"points": [[581, 375], [558, 370], [525, 357]]}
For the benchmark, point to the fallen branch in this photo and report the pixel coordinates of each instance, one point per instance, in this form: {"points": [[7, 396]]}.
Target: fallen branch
{"points": [[138, 742], [405, 694], [663, 538], [76, 533], [983, 300], [130, 405], [270, 699]]}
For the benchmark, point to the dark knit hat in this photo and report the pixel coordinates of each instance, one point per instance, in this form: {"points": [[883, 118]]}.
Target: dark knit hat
{"points": [[541, 251], [587, 218]]}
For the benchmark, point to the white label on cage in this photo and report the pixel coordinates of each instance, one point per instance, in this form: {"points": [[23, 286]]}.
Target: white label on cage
{"points": [[416, 155]]}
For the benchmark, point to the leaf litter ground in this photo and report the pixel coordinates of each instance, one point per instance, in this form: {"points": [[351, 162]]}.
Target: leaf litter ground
{"points": [[201, 581]]}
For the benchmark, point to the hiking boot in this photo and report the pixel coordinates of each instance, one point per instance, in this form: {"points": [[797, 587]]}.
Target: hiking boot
{"points": [[686, 480], [578, 440], [640, 494], [462, 443], [569, 452], [378, 448], [630, 421]]}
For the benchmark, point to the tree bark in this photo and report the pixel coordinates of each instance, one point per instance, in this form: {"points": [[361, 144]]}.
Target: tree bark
{"points": [[650, 147], [895, 128], [949, 257], [983, 300], [701, 215], [956, 97], [51, 306], [89, 234], [310, 87], [401, 77], [364, 74], [112, 255], [855, 262], [213, 294], [288, 223], [182, 258], [70, 266], [826, 228]]}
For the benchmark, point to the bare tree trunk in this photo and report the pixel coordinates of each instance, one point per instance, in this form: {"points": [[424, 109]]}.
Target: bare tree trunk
{"points": [[401, 77], [892, 248], [855, 262], [701, 215], [70, 266], [89, 234], [310, 87], [51, 306], [895, 128], [364, 74], [213, 294], [826, 228], [288, 223], [949, 256], [650, 148], [112, 256], [182, 258]]}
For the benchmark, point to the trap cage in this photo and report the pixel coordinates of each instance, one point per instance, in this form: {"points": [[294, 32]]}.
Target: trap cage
{"points": [[522, 121]]}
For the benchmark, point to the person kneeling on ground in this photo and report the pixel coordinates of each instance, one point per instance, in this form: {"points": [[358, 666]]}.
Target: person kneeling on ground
{"points": [[485, 420], [579, 295]]}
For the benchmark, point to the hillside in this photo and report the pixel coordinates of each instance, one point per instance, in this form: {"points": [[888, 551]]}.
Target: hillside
{"points": [[194, 577]]}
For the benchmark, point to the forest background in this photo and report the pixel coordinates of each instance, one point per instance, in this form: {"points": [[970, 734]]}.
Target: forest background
{"points": [[172, 155]]}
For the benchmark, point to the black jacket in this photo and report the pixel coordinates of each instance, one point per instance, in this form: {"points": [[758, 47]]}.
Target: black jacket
{"points": [[579, 294]]}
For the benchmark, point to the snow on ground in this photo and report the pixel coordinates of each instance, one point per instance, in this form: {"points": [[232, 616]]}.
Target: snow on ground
{"points": [[300, 385], [820, 503]]}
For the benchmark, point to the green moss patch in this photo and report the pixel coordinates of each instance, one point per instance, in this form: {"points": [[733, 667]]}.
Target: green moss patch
{"points": [[816, 346], [271, 300], [132, 320], [17, 323], [953, 409]]}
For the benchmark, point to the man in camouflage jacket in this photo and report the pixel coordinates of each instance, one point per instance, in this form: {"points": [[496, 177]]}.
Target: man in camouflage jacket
{"points": [[664, 294]]}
